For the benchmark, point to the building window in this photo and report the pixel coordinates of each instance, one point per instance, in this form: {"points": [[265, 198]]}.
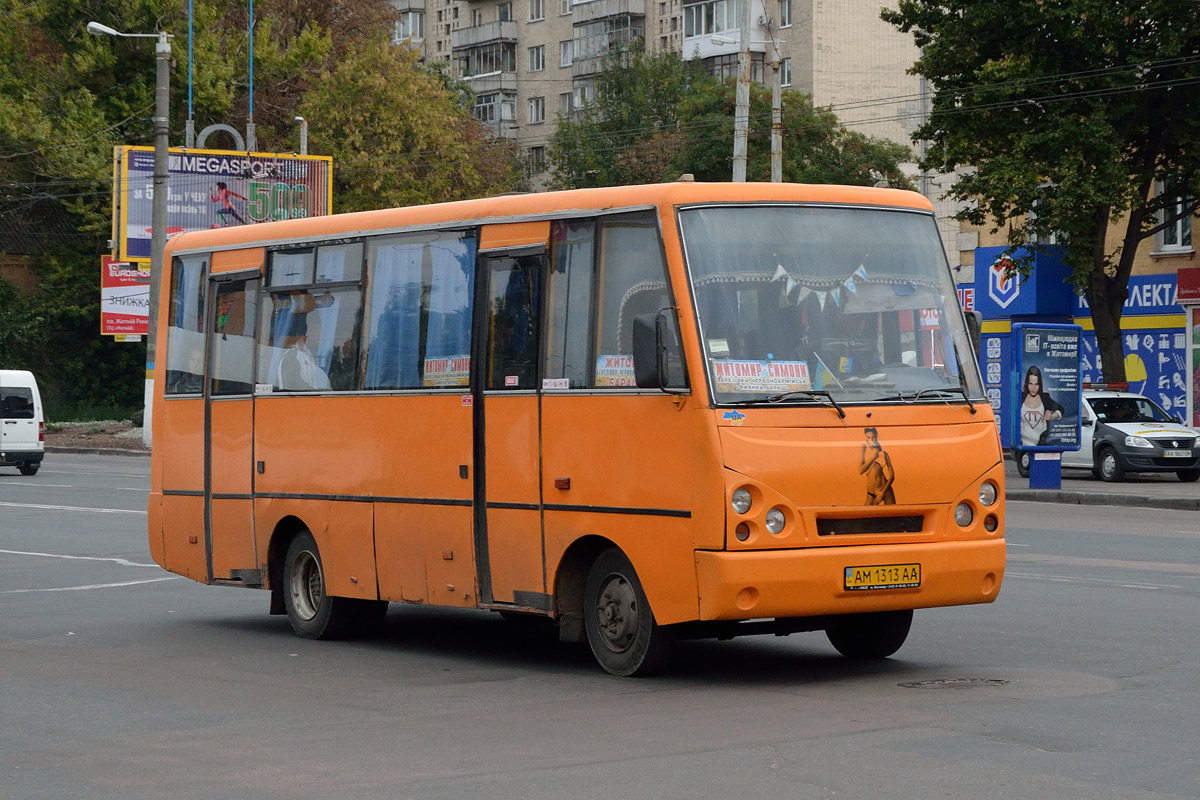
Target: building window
{"points": [[537, 58], [411, 25], [537, 10], [566, 6], [537, 110], [537, 160], [1177, 236], [504, 12], [785, 13], [785, 72], [494, 107], [712, 16], [566, 104], [476, 17], [726, 67], [454, 13], [566, 52], [486, 59]]}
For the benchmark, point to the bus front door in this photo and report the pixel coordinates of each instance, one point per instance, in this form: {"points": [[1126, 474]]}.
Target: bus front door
{"points": [[229, 431], [508, 515]]}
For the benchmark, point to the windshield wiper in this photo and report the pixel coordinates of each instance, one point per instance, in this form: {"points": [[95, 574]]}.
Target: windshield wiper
{"points": [[779, 398], [931, 391]]}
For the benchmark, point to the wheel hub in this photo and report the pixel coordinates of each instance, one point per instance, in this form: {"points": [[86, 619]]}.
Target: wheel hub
{"points": [[617, 613]]}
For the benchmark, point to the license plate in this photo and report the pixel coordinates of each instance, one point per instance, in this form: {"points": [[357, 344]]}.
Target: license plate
{"points": [[1177, 453], [883, 576]]}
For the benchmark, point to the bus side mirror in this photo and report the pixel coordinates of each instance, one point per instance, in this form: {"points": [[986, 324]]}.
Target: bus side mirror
{"points": [[658, 352], [974, 329]]}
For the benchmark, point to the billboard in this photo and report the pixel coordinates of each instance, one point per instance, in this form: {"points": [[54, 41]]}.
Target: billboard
{"points": [[214, 189], [1047, 399], [124, 298]]}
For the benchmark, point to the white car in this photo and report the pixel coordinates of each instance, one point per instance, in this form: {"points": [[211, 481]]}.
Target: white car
{"points": [[1125, 432]]}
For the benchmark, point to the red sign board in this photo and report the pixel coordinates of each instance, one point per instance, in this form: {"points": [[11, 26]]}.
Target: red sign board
{"points": [[124, 298], [1189, 285]]}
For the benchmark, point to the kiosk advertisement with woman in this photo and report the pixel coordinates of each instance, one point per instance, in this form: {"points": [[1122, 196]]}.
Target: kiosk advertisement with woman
{"points": [[1048, 397]]}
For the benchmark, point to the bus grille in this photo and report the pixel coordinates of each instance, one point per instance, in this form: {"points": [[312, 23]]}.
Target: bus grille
{"points": [[837, 526]]}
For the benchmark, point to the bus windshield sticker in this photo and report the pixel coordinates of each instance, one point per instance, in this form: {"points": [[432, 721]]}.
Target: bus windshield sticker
{"points": [[615, 370], [448, 371], [761, 376], [718, 347], [556, 383]]}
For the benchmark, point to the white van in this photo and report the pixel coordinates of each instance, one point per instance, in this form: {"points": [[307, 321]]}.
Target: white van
{"points": [[22, 426]]}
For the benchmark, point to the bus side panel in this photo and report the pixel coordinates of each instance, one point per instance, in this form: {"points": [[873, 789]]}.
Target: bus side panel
{"points": [[184, 520], [401, 451], [654, 468], [424, 554], [179, 449], [349, 556]]}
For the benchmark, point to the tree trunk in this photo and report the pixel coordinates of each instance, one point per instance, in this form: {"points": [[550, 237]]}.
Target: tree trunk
{"points": [[1106, 297]]}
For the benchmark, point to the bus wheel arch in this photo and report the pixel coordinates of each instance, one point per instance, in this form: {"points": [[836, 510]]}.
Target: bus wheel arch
{"points": [[285, 531], [570, 580]]}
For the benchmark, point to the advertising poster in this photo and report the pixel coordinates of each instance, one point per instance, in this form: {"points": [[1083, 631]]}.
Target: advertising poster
{"points": [[215, 189], [1048, 393], [124, 298]]}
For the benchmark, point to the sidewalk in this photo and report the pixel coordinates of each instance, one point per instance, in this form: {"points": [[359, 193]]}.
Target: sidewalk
{"points": [[1079, 487]]}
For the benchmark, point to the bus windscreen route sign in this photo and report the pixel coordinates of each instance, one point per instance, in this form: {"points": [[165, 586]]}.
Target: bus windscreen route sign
{"points": [[214, 189]]}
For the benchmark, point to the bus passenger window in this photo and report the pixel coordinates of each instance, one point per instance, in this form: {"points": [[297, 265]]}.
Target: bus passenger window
{"points": [[185, 326]]}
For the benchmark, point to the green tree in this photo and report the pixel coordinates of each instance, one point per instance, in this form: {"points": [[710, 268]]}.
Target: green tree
{"points": [[1072, 110], [658, 116], [399, 136]]}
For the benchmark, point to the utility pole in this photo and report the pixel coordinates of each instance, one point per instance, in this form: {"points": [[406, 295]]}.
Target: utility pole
{"points": [[776, 117], [741, 113]]}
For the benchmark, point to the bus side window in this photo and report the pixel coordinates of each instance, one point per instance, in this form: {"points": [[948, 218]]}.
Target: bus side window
{"points": [[185, 326]]}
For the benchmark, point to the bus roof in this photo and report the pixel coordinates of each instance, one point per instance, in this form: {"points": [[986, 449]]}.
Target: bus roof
{"points": [[562, 203]]}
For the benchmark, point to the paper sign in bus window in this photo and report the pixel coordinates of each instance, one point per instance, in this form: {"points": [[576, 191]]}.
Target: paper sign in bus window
{"points": [[760, 376]]}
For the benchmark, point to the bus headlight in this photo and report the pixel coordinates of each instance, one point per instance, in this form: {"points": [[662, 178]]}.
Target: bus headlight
{"points": [[742, 500], [775, 521], [987, 493], [963, 515]]}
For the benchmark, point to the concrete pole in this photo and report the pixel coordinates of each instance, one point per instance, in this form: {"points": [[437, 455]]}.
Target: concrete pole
{"points": [[741, 113], [303, 135], [776, 122], [158, 217]]}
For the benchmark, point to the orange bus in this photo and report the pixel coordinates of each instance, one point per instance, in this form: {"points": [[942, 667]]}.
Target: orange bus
{"points": [[645, 413]]}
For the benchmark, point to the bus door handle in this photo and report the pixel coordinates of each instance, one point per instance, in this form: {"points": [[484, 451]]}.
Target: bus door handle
{"points": [[562, 483]]}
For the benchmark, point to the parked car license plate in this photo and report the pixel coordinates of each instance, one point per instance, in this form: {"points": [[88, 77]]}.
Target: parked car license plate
{"points": [[883, 576], [1177, 453]]}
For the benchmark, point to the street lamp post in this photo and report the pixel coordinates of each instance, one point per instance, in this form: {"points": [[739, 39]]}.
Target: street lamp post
{"points": [[158, 209]]}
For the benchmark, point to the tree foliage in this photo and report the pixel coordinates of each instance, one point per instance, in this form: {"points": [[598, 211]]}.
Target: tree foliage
{"points": [[656, 117], [67, 98], [1072, 110]]}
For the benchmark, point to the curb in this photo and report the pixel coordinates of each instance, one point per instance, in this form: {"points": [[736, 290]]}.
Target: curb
{"points": [[97, 451], [1099, 499]]}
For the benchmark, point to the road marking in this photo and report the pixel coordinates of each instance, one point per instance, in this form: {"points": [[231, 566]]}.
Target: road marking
{"points": [[1064, 579], [1179, 570], [124, 562], [73, 508], [38, 485], [92, 586]]}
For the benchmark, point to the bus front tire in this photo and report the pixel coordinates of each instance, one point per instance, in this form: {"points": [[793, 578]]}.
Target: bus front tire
{"points": [[312, 612], [620, 626], [874, 635]]}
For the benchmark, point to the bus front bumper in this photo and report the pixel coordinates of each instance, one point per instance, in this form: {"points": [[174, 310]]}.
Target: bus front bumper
{"points": [[765, 584]]}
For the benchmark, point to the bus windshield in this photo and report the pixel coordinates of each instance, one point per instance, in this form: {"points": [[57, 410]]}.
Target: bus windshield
{"points": [[854, 302]]}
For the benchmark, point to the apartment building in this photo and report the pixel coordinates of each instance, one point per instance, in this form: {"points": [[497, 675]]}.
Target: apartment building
{"points": [[532, 61]]}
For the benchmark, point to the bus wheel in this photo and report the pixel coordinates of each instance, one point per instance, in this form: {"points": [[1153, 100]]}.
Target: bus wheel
{"points": [[313, 613], [874, 635], [620, 626]]}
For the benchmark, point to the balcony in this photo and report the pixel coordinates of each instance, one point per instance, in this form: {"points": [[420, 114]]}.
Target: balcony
{"points": [[599, 9], [486, 33], [402, 6], [493, 82]]}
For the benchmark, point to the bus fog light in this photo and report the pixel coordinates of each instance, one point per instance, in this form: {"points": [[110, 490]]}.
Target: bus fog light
{"points": [[963, 515], [742, 532], [742, 500], [987, 493], [990, 523], [775, 521]]}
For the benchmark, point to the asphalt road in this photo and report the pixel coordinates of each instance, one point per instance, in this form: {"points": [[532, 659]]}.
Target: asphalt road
{"points": [[122, 681]]}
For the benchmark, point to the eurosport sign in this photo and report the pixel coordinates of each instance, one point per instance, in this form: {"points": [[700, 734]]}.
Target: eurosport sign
{"points": [[124, 298], [214, 189]]}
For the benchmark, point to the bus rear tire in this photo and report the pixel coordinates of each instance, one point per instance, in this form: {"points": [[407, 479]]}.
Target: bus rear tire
{"points": [[312, 613], [870, 636], [620, 626]]}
